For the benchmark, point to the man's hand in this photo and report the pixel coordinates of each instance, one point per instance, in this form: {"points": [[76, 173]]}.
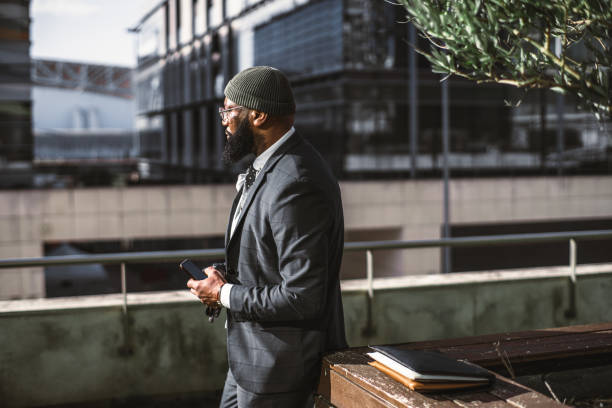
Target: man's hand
{"points": [[208, 290]]}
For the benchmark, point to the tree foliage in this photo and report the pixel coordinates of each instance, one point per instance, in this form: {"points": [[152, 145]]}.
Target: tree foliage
{"points": [[562, 45]]}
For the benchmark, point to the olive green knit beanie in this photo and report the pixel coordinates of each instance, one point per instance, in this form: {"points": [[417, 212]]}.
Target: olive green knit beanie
{"points": [[264, 89]]}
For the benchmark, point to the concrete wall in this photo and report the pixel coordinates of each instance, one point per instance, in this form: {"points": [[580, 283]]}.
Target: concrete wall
{"points": [[70, 350], [388, 209]]}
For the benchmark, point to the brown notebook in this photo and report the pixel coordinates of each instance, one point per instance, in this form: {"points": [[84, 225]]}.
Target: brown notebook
{"points": [[429, 386]]}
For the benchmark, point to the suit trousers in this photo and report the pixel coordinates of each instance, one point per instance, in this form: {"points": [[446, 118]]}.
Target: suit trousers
{"points": [[234, 396]]}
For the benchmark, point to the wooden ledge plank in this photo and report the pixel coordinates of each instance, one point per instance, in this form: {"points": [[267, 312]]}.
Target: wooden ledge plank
{"points": [[345, 393], [478, 400], [582, 328], [347, 378], [535, 349], [348, 371], [507, 336], [522, 397]]}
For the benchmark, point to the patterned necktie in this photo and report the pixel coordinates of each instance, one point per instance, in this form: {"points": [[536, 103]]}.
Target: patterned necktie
{"points": [[250, 176]]}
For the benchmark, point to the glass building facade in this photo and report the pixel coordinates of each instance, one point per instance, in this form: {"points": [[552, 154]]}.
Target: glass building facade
{"points": [[16, 141], [348, 61], [306, 41]]}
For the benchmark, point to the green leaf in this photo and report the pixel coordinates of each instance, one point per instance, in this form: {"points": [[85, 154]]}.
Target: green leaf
{"points": [[486, 39]]}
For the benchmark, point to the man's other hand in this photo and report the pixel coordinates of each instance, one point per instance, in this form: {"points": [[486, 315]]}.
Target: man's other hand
{"points": [[208, 290]]}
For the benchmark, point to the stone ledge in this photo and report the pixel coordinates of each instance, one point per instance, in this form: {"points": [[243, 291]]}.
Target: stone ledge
{"points": [[468, 278], [8, 307], [11, 307]]}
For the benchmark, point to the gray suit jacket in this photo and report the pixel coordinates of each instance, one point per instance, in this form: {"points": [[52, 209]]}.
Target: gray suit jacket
{"points": [[284, 259]]}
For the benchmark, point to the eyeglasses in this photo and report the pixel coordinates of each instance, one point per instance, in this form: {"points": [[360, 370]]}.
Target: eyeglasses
{"points": [[224, 112]]}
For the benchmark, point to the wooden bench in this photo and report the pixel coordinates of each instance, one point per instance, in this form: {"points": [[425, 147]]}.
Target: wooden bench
{"points": [[348, 381]]}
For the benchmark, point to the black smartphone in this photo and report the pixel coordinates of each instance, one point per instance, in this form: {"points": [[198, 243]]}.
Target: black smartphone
{"points": [[192, 270]]}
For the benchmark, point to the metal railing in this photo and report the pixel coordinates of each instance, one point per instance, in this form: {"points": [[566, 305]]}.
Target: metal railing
{"points": [[368, 246]]}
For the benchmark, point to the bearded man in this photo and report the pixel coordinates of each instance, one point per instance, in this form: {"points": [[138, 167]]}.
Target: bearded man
{"points": [[283, 249]]}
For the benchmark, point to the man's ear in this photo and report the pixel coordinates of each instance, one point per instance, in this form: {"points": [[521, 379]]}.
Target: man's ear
{"points": [[258, 119]]}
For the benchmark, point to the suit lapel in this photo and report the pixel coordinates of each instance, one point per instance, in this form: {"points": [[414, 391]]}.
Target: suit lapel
{"points": [[231, 217], [261, 177]]}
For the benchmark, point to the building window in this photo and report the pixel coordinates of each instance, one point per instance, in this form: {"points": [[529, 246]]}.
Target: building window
{"points": [[215, 13], [151, 37], [199, 17], [172, 23], [186, 21]]}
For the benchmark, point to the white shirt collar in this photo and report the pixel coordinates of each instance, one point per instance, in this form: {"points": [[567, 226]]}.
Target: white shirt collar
{"points": [[261, 160]]}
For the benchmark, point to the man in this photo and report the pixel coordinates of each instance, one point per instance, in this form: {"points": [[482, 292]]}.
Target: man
{"points": [[283, 250]]}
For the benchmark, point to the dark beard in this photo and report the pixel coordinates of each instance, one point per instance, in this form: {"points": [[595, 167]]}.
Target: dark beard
{"points": [[239, 144]]}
